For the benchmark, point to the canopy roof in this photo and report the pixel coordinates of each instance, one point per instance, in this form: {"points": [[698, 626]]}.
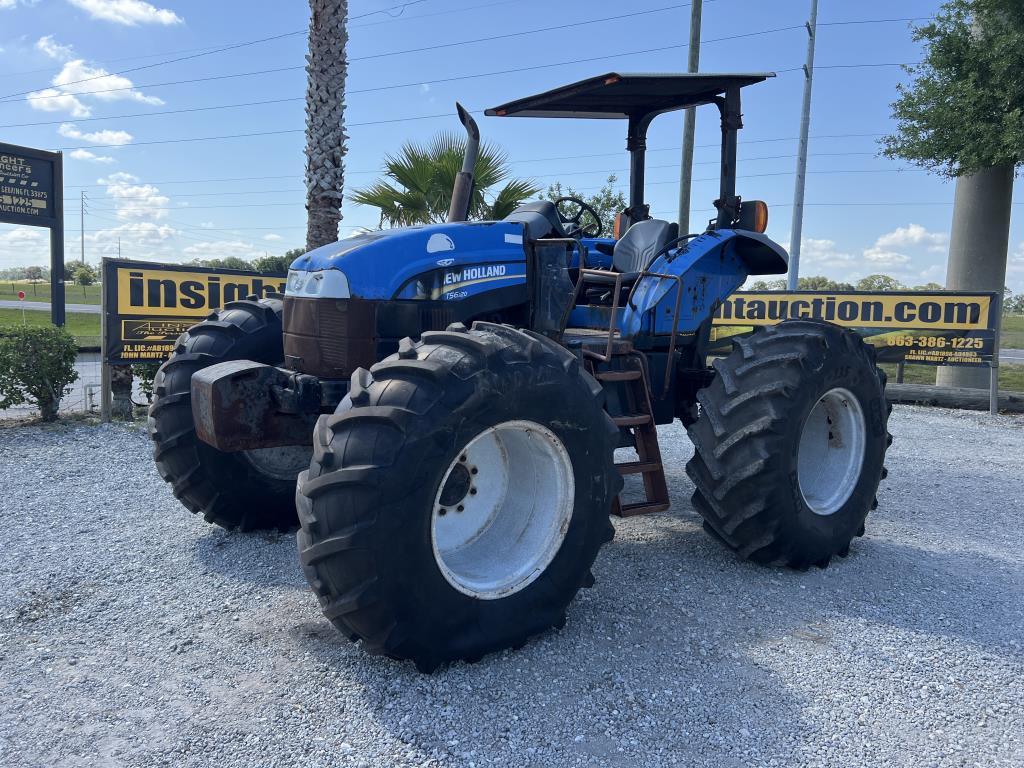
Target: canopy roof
{"points": [[616, 95]]}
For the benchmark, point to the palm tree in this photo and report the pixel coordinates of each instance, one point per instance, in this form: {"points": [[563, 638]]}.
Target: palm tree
{"points": [[326, 70], [417, 183]]}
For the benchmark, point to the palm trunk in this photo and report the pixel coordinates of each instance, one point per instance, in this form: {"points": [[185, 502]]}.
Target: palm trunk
{"points": [[326, 70]]}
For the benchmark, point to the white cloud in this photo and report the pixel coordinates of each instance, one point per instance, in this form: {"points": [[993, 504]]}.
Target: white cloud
{"points": [[8, 5], [914, 234], [24, 246], [127, 12], [881, 258], [85, 154], [135, 201], [106, 137], [53, 49], [272, 237], [52, 100], [825, 253], [78, 80], [100, 83], [222, 249]]}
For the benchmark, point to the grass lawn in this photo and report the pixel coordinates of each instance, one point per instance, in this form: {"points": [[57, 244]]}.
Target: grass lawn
{"points": [[73, 294], [84, 327], [1012, 336], [1011, 377]]}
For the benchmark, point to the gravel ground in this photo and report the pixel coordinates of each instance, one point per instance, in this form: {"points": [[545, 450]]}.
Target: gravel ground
{"points": [[132, 634]]}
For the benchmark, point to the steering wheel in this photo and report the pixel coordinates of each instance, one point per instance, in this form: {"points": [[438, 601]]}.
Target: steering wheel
{"points": [[583, 212]]}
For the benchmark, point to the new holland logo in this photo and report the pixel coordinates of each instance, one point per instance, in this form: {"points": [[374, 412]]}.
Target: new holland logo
{"points": [[468, 274]]}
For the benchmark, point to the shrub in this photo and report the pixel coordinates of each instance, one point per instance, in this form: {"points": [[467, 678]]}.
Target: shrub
{"points": [[37, 365], [146, 373], [84, 274]]}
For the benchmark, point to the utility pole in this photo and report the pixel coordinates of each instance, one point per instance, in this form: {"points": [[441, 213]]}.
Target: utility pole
{"points": [[81, 225], [801, 160], [689, 122]]}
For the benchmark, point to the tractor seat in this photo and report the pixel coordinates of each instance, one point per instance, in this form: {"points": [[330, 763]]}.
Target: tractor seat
{"points": [[636, 249], [540, 219]]}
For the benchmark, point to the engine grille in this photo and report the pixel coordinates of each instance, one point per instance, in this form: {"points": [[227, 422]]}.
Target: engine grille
{"points": [[329, 338]]}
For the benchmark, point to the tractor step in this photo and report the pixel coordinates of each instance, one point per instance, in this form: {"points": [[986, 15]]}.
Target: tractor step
{"points": [[639, 467], [624, 377], [633, 420], [618, 375], [642, 508]]}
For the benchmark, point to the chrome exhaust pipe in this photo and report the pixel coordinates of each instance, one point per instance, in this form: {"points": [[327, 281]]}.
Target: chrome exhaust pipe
{"points": [[462, 191]]}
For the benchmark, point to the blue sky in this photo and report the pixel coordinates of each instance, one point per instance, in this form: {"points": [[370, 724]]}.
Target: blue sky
{"points": [[187, 199]]}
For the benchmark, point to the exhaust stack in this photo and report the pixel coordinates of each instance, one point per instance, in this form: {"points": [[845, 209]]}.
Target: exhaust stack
{"points": [[463, 188]]}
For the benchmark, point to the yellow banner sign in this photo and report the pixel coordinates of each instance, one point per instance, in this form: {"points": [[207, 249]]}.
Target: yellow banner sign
{"points": [[173, 292], [147, 306], [924, 311]]}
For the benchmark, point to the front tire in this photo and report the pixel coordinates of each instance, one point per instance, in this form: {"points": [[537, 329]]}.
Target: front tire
{"points": [[247, 490], [790, 444], [458, 497]]}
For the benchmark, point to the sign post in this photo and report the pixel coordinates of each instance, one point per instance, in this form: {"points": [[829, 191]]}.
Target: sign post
{"points": [[32, 194]]}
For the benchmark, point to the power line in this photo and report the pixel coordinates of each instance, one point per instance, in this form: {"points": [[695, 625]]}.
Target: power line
{"points": [[208, 49], [420, 81], [232, 47], [296, 176], [368, 57]]}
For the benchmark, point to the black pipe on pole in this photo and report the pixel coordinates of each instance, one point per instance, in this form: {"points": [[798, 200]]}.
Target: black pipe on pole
{"points": [[57, 315], [462, 191], [732, 121]]}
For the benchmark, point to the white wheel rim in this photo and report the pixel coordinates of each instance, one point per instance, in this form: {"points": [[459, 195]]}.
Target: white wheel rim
{"points": [[831, 452], [502, 509]]}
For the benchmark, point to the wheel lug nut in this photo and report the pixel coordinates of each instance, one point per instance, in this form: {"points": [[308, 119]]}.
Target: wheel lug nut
{"points": [[473, 470], [461, 508], [472, 491]]}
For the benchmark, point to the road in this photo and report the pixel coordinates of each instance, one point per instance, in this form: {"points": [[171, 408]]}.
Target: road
{"points": [[44, 306]]}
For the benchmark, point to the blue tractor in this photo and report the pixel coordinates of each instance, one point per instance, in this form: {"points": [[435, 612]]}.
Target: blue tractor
{"points": [[440, 406]]}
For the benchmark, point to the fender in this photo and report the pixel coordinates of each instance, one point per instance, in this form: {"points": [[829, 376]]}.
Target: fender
{"points": [[708, 269]]}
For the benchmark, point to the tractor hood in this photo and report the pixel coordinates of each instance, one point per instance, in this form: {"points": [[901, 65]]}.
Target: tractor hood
{"points": [[433, 262]]}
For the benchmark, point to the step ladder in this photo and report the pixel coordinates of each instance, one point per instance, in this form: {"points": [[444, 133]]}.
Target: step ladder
{"points": [[627, 374]]}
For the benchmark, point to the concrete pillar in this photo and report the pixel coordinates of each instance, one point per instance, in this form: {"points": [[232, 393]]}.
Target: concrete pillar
{"points": [[978, 249]]}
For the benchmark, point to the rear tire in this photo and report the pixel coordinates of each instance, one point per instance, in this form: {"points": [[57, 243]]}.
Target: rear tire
{"points": [[247, 490], [431, 436], [790, 444]]}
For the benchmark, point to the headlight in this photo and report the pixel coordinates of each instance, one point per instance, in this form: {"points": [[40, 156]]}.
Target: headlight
{"points": [[323, 283]]}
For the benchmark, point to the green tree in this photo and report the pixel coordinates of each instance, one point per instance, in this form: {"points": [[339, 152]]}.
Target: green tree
{"points": [[812, 283], [607, 201], [880, 283], [84, 274], [1014, 305], [822, 283], [963, 111], [34, 274], [228, 262], [274, 265], [37, 364], [929, 287], [417, 183]]}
